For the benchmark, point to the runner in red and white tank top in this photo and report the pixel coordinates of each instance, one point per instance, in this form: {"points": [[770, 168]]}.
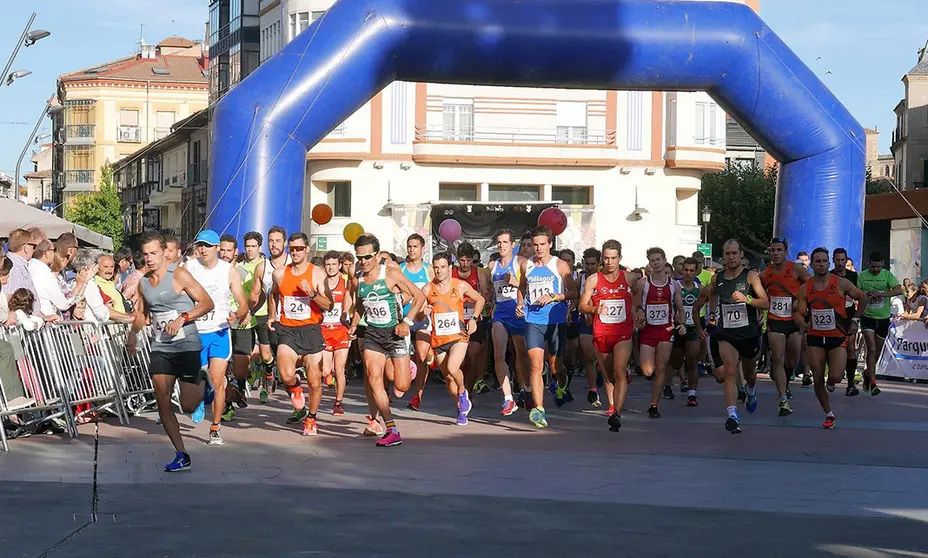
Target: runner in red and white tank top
{"points": [[608, 296], [334, 330]]}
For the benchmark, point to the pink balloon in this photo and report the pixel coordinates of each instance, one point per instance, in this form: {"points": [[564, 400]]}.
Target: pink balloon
{"points": [[413, 369], [554, 219], [449, 230]]}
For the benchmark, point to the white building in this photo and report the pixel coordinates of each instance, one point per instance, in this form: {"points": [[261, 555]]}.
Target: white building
{"points": [[415, 144]]}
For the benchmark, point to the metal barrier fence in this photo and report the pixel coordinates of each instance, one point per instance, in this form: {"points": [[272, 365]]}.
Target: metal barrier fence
{"points": [[69, 370]]}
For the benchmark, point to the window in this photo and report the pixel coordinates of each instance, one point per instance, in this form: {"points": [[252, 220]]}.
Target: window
{"points": [[457, 192], [299, 21], [572, 195], [672, 120], [128, 117], [338, 196], [504, 193], [458, 120], [164, 119], [706, 129], [129, 126], [571, 122], [699, 132]]}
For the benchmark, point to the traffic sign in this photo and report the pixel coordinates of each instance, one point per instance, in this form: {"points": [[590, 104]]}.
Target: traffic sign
{"points": [[322, 243], [705, 248]]}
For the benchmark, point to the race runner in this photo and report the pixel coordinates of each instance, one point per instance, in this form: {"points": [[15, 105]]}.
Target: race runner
{"points": [[475, 362], [660, 313], [171, 301], [608, 297], [592, 259], [736, 341], [782, 279], [418, 274], [691, 342], [228, 248], [842, 269], [505, 324], [386, 332], [880, 285], [446, 298], [264, 270], [823, 306], [222, 282], [335, 328], [301, 296], [546, 287]]}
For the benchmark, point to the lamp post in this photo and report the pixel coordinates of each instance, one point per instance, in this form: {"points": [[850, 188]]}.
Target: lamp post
{"points": [[19, 162], [27, 39], [706, 217]]}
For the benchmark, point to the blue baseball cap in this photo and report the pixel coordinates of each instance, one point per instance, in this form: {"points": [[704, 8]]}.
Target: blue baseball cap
{"points": [[208, 237]]}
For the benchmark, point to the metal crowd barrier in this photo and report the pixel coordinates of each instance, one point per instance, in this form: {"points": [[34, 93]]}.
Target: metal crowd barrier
{"points": [[68, 370]]}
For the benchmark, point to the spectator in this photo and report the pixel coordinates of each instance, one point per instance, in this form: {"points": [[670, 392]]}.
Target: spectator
{"points": [[126, 264], [172, 249], [95, 310], [21, 247], [6, 265], [21, 303], [52, 299], [9, 377], [67, 245], [130, 287], [104, 280]]}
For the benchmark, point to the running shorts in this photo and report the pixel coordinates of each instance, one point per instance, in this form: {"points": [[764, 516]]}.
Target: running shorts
{"points": [[385, 341], [336, 338], [514, 326], [480, 335], [827, 343], [572, 331], [243, 341], [747, 349], [261, 330], [604, 344], [879, 327], [216, 344], [185, 366], [652, 335], [550, 337], [422, 325], [786, 327], [442, 349], [303, 340]]}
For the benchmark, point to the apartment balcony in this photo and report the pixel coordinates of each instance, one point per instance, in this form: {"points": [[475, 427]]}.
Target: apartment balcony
{"points": [[197, 173], [515, 146], [129, 134], [79, 134], [706, 158], [898, 139], [78, 181]]}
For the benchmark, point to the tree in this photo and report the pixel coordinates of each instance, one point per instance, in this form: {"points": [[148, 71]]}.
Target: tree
{"points": [[100, 211], [881, 186], [741, 199]]}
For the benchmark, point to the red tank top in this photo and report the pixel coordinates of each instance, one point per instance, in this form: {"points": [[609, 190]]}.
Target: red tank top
{"points": [[474, 281], [296, 308], [658, 304], [827, 309], [333, 317], [616, 297], [783, 289]]}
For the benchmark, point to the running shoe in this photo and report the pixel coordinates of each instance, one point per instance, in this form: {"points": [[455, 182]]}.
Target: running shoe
{"points": [[337, 409], [263, 396], [874, 389], [684, 387], [181, 463], [462, 418], [329, 380], [373, 427], [310, 428], [751, 403], [829, 423], [390, 439], [538, 418], [691, 401], [610, 411], [701, 369], [653, 412], [464, 404], [208, 394], [668, 392], [733, 425], [215, 438], [552, 385], [789, 393], [522, 399], [593, 399], [599, 379], [560, 396], [414, 403], [299, 415], [199, 413], [851, 391], [785, 409], [615, 422], [807, 380], [866, 385], [742, 395], [830, 387], [509, 408], [481, 387], [229, 413]]}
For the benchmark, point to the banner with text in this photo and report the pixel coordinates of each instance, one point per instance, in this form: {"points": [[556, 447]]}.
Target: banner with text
{"points": [[905, 354]]}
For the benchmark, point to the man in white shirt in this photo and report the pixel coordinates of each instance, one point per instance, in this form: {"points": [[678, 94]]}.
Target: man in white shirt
{"points": [[86, 262], [52, 301]]}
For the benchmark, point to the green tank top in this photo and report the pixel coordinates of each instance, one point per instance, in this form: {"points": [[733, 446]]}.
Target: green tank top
{"points": [[246, 271], [380, 308], [690, 296], [250, 267]]}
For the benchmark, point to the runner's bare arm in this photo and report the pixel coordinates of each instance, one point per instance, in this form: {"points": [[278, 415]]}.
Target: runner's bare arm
{"points": [[257, 287], [802, 307], [800, 273], [571, 290], [406, 287], [323, 297], [356, 309], [760, 300], [347, 302], [851, 290], [469, 293], [274, 300], [679, 316], [238, 294], [523, 286], [637, 303], [202, 303], [586, 297], [705, 294]]}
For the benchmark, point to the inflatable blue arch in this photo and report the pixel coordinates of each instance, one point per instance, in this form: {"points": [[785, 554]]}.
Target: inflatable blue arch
{"points": [[265, 125]]}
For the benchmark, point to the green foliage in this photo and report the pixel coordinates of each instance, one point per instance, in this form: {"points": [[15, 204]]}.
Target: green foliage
{"points": [[100, 211], [877, 186], [742, 199]]}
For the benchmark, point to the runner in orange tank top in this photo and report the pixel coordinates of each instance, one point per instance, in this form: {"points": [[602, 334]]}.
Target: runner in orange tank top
{"points": [[445, 296], [781, 280], [335, 329], [822, 312], [300, 292]]}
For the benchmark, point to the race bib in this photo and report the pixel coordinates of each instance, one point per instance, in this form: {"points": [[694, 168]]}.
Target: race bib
{"points": [[446, 323], [849, 302], [658, 314], [688, 315], [160, 321], [781, 306], [297, 307], [333, 316], [420, 286], [734, 315], [377, 312], [504, 291], [540, 287], [876, 301], [823, 320], [469, 308], [614, 311]]}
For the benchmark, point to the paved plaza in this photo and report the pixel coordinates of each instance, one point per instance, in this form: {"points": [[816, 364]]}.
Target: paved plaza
{"points": [[679, 486]]}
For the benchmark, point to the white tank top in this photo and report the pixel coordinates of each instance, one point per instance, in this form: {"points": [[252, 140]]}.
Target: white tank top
{"points": [[216, 283], [268, 279]]}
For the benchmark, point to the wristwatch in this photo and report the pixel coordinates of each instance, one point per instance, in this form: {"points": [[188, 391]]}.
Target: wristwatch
{"points": [[408, 321], [185, 316]]}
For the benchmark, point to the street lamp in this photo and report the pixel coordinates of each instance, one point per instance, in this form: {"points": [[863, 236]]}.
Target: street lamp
{"points": [[27, 39], [46, 110], [706, 217], [35, 36], [41, 137], [13, 76]]}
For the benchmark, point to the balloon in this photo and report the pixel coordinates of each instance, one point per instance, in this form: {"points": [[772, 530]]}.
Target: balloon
{"points": [[554, 219], [413, 369], [450, 230], [352, 232], [322, 214]]}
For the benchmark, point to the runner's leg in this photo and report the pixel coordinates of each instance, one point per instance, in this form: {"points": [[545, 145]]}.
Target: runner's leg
{"points": [[692, 351], [313, 364], [778, 361], [870, 338], [189, 400], [500, 342], [341, 360]]}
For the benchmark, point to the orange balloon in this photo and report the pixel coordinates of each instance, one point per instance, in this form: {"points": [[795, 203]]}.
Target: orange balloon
{"points": [[322, 214]]}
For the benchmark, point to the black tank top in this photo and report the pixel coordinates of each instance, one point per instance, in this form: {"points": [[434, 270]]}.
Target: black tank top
{"points": [[738, 319]]}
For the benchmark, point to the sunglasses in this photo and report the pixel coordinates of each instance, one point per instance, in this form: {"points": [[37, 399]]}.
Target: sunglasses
{"points": [[297, 248], [364, 257], [31, 244]]}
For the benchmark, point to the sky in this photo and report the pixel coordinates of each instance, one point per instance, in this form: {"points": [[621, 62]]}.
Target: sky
{"points": [[866, 45]]}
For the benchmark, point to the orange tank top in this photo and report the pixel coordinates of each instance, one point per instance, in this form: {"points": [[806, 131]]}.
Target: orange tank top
{"points": [[296, 307], [782, 289], [447, 314], [827, 309]]}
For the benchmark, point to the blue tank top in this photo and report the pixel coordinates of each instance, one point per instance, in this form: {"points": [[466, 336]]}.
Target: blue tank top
{"points": [[418, 278], [544, 280], [504, 294]]}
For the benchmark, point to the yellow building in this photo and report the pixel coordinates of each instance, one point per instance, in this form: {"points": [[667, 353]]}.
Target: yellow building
{"points": [[113, 109]]}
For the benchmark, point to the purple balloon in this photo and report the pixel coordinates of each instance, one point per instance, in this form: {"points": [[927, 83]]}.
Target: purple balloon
{"points": [[450, 230]]}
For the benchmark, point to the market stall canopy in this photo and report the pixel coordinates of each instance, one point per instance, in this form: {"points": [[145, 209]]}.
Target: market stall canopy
{"points": [[16, 215]]}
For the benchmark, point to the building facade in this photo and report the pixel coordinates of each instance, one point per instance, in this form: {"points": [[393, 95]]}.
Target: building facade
{"points": [[910, 138], [233, 43], [111, 110], [39, 181]]}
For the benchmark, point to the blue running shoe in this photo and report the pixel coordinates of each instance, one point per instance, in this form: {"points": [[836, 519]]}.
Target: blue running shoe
{"points": [[199, 413], [181, 463], [751, 403], [538, 418]]}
